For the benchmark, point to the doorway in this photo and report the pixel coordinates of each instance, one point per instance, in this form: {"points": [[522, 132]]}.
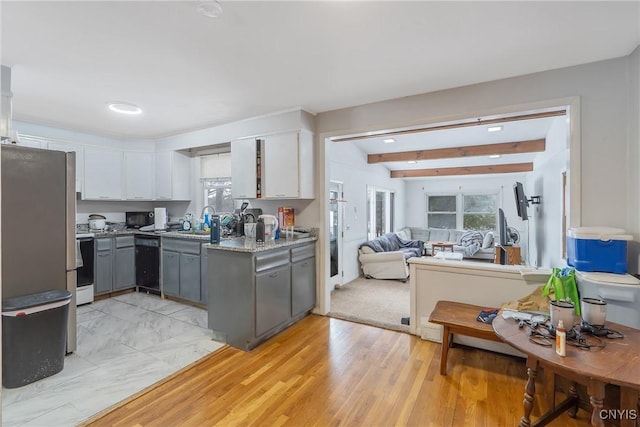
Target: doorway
{"points": [[336, 234]]}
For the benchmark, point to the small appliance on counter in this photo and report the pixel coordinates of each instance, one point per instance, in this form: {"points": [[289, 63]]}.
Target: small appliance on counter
{"points": [[97, 222], [160, 219], [139, 219]]}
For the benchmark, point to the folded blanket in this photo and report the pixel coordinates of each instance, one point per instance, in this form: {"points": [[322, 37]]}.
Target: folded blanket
{"points": [[471, 242]]}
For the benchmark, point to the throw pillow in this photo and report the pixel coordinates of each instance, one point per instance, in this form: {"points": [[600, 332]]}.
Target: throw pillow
{"points": [[487, 242]]}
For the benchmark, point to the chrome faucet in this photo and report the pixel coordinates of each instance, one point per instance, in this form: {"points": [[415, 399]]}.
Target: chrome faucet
{"points": [[205, 209]]}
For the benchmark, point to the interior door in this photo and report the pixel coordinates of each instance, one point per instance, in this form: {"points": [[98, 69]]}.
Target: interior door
{"points": [[336, 234]]}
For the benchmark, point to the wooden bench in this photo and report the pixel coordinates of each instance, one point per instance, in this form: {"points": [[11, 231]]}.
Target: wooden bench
{"points": [[459, 318]]}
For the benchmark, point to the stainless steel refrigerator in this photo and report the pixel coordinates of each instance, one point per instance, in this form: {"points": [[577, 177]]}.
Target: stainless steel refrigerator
{"points": [[38, 225]]}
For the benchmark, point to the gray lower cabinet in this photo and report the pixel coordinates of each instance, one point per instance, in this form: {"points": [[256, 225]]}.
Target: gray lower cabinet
{"points": [[103, 271], [170, 272], [181, 268], [125, 263], [254, 295], [115, 267], [204, 281], [303, 280]]}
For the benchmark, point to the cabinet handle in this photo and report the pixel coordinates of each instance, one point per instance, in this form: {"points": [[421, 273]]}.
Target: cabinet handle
{"points": [[103, 197], [280, 195], [272, 275]]}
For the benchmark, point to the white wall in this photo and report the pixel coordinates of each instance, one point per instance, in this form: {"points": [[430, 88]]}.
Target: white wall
{"points": [[348, 164], [606, 176], [633, 162], [545, 219]]}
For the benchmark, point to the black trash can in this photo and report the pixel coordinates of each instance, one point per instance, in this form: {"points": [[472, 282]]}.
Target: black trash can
{"points": [[34, 336]]}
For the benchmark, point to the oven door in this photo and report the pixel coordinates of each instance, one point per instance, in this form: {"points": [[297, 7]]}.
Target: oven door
{"points": [[84, 271]]}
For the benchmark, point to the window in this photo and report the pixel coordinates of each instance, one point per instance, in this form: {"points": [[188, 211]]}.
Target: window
{"points": [[479, 212], [462, 211], [441, 211], [217, 193], [380, 212], [215, 173]]}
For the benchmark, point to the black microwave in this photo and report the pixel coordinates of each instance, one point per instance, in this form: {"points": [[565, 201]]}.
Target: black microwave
{"points": [[139, 219]]}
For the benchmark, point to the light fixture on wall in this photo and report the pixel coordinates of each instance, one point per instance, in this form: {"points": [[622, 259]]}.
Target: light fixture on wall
{"points": [[209, 8]]}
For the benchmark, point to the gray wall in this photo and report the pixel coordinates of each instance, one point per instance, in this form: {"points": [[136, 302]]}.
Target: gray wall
{"points": [[633, 207]]}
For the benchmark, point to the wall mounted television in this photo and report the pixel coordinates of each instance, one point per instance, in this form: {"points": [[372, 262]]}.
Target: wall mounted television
{"points": [[521, 201]]}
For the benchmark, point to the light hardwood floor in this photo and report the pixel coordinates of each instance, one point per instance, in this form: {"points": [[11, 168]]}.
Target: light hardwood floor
{"points": [[329, 372]]}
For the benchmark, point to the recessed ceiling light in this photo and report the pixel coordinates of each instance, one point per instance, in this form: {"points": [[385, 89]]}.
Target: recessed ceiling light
{"points": [[389, 141], [494, 129], [124, 108], [494, 156], [412, 162]]}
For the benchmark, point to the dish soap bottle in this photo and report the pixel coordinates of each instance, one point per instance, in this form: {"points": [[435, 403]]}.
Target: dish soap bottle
{"points": [[561, 339]]}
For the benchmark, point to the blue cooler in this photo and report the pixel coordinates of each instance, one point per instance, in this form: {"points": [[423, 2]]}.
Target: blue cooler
{"points": [[601, 249]]}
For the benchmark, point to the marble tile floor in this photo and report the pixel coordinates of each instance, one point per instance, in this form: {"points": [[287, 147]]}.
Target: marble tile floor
{"points": [[125, 344]]}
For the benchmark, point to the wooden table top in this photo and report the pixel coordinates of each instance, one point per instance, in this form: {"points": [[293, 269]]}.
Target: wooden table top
{"points": [[458, 314], [617, 363], [433, 242]]}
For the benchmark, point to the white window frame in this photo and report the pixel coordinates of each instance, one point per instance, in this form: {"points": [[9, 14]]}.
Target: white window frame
{"points": [[389, 213]]}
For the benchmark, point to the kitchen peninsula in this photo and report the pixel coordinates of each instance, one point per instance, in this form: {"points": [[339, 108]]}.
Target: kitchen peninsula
{"points": [[254, 292]]}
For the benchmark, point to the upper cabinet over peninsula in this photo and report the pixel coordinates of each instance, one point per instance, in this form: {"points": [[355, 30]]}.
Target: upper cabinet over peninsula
{"points": [[277, 166]]}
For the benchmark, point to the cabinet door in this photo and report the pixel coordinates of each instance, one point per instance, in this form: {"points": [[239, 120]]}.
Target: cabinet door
{"points": [[103, 170], [281, 168], [103, 272], [171, 273], [273, 296], [243, 169], [190, 277], [139, 175], [125, 268], [303, 286], [163, 176], [69, 148], [173, 176], [204, 280]]}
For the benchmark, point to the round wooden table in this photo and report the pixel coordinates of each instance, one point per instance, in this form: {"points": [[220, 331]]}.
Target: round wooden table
{"points": [[617, 363], [442, 245]]}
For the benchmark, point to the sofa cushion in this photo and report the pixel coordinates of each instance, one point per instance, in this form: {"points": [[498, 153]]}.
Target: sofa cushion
{"points": [[456, 235], [487, 242], [439, 235], [404, 234], [420, 234]]}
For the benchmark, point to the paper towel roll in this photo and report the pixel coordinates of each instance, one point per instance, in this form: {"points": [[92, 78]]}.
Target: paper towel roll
{"points": [[160, 215]]}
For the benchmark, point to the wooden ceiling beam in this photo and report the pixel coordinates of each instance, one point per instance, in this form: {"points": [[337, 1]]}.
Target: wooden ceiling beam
{"points": [[464, 170], [516, 147], [478, 122]]}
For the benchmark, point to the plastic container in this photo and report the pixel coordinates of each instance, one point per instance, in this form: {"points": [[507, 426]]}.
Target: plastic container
{"points": [[34, 336], [598, 249], [215, 229], [620, 291]]}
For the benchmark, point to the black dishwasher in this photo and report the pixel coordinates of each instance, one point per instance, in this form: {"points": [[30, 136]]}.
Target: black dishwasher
{"points": [[148, 264]]}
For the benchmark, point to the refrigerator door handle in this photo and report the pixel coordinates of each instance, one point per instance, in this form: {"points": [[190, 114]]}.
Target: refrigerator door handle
{"points": [[71, 211]]}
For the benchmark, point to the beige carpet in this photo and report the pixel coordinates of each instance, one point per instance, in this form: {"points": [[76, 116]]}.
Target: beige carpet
{"points": [[381, 303]]}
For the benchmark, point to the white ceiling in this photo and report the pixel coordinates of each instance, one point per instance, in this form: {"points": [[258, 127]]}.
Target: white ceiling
{"points": [[188, 71], [461, 137]]}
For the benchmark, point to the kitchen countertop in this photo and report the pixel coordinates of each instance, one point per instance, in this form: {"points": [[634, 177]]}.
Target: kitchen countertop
{"points": [[240, 244], [174, 234]]}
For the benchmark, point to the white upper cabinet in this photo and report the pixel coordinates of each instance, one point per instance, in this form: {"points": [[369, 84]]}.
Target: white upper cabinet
{"points": [[103, 174], [243, 169], [71, 148], [172, 176], [31, 141], [139, 175], [288, 166]]}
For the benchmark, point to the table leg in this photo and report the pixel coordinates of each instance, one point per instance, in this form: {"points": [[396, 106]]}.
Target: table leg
{"points": [[629, 401], [596, 397], [446, 337], [529, 392], [573, 392]]}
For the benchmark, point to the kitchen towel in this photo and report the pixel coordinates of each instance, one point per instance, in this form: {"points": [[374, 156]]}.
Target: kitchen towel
{"points": [[79, 262]]}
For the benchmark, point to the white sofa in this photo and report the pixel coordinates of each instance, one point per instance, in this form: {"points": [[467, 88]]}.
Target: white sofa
{"points": [[485, 252], [385, 257]]}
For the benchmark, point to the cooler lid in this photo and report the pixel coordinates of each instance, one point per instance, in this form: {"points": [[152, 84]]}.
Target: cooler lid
{"points": [[599, 233], [608, 278]]}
